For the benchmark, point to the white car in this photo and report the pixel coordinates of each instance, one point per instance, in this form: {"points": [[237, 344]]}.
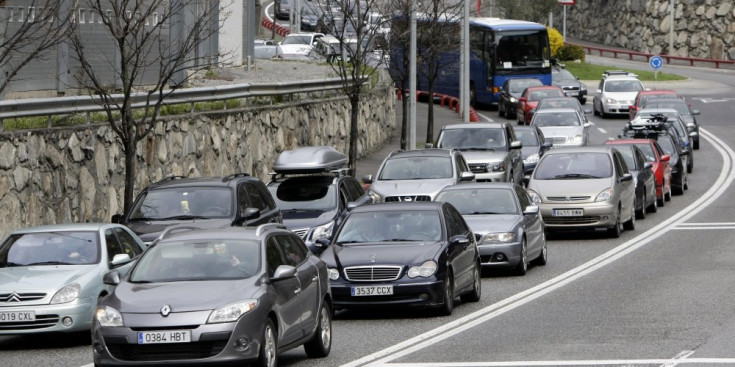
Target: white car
{"points": [[616, 93], [297, 46]]}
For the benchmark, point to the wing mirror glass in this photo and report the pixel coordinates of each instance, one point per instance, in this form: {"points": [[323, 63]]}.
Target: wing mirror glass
{"points": [[626, 177], [111, 278], [459, 240], [647, 165], [368, 179], [467, 176], [695, 112], [531, 209], [119, 259], [516, 144], [250, 213], [665, 158]]}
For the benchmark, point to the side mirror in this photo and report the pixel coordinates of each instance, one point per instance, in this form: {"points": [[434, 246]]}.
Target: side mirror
{"points": [[647, 165], [249, 213], [665, 158], [684, 152], [111, 278], [365, 199], [516, 144], [117, 218], [531, 210], [429, 145], [532, 112], [599, 91], [322, 243], [546, 145], [459, 240], [586, 124], [693, 134], [695, 112], [626, 177], [284, 272], [522, 99], [466, 176], [368, 179], [119, 259]]}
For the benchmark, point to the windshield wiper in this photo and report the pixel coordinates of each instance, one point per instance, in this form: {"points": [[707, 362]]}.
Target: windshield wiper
{"points": [[10, 264], [51, 263], [487, 213], [575, 175], [181, 217], [475, 148], [143, 219]]}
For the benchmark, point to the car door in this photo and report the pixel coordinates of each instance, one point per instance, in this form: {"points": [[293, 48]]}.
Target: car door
{"points": [[296, 255], [129, 246], [627, 197], [461, 255], [250, 197], [515, 155], [532, 223], [286, 292]]}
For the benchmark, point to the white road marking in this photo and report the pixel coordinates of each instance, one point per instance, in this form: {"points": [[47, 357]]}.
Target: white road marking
{"points": [[715, 100], [679, 358], [407, 347], [486, 118], [698, 226], [267, 15], [604, 362], [602, 130]]}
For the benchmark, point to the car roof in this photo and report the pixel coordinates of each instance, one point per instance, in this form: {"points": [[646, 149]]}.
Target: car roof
{"points": [[64, 227], [667, 98], [542, 87], [480, 185], [658, 109], [476, 125], [435, 152], [244, 233], [621, 77], [177, 181], [556, 110], [398, 206], [658, 92], [628, 141], [587, 149], [559, 98]]}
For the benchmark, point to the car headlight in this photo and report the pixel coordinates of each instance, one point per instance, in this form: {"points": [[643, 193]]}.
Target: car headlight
{"points": [[333, 274], [424, 270], [533, 158], [323, 231], [513, 100], [66, 294], [232, 312], [534, 196], [498, 237], [108, 316], [497, 167], [582, 87], [577, 139], [611, 100], [377, 198], [605, 195]]}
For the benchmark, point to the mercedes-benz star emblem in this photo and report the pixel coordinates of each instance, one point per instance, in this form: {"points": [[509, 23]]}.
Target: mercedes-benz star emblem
{"points": [[372, 258], [165, 310], [14, 297]]}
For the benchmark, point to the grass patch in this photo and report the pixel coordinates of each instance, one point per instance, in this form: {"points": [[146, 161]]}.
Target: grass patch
{"points": [[587, 71]]}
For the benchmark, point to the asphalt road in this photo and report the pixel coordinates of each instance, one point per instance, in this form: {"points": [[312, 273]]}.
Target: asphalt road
{"points": [[657, 296]]}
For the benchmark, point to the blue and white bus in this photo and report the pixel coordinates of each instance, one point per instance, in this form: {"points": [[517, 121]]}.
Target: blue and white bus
{"points": [[500, 49]]}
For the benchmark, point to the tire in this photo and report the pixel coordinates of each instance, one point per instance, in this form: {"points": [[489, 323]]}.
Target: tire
{"points": [[686, 183], [268, 356], [509, 113], [501, 110], [543, 257], [653, 208], [615, 230], [667, 196], [448, 305], [630, 224], [522, 268], [321, 344], [696, 143], [594, 109], [641, 214], [690, 163], [476, 293]]}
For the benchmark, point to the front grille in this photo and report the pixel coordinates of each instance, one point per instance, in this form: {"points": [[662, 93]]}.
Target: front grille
{"points": [[372, 273], [570, 88], [42, 321], [557, 139], [586, 219], [407, 198], [162, 352], [567, 198], [478, 167], [179, 327], [20, 297], [301, 232]]}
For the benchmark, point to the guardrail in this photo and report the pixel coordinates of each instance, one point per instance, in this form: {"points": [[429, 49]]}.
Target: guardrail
{"points": [[86, 104], [642, 56], [445, 100]]}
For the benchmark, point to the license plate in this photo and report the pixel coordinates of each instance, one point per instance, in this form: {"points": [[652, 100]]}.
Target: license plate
{"points": [[568, 212], [372, 290], [572, 94], [19, 316], [164, 337]]}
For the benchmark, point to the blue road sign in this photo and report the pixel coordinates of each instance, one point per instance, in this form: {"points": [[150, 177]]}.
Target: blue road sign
{"points": [[656, 62]]}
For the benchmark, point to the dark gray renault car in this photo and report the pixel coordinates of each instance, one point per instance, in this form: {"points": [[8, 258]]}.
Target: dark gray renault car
{"points": [[216, 296]]}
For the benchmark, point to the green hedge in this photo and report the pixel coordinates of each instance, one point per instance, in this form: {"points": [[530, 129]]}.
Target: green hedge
{"points": [[570, 53]]}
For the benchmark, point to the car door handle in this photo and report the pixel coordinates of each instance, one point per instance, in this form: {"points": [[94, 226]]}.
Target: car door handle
{"points": [[297, 291]]}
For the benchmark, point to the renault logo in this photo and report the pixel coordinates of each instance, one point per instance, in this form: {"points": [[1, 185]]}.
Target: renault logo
{"points": [[14, 297], [165, 310]]}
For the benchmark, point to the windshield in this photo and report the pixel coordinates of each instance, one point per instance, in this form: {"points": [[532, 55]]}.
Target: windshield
{"points": [[562, 74], [203, 202], [573, 166], [303, 193], [212, 259], [517, 86], [647, 150], [416, 168], [556, 119], [527, 137], [481, 201], [522, 49], [391, 226], [51, 248], [296, 40], [479, 139], [618, 86]]}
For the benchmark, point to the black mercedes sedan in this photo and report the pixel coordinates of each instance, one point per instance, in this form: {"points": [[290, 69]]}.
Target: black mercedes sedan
{"points": [[403, 254]]}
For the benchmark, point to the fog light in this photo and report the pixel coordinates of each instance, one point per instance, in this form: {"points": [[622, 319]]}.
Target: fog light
{"points": [[424, 296], [241, 344], [67, 321], [605, 217], [500, 257]]}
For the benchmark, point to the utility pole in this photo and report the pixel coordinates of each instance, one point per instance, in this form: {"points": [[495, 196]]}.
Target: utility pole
{"points": [[465, 94], [412, 81]]}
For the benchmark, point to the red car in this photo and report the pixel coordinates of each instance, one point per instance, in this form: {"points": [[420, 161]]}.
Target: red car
{"points": [[645, 95], [529, 100], [660, 162]]}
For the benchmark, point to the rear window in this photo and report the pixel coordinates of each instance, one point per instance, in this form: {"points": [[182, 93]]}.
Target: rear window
{"points": [[556, 119], [304, 193]]}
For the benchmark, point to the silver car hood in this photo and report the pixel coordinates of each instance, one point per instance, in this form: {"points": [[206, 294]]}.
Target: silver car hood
{"points": [[621, 96], [487, 156], [583, 187], [429, 187], [492, 223], [551, 131], [43, 277]]}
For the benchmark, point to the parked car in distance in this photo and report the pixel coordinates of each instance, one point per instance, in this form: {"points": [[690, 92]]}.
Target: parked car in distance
{"points": [[571, 85], [562, 102], [511, 91], [417, 175], [265, 49], [643, 176], [563, 127], [615, 93], [235, 200], [213, 296], [403, 255], [645, 95], [508, 228], [686, 113], [282, 9], [491, 150], [52, 275], [534, 147], [529, 99], [297, 46], [312, 188], [584, 188]]}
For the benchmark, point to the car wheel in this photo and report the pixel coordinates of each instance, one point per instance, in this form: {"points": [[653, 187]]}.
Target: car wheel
{"points": [[679, 190], [476, 293], [696, 143], [448, 306], [641, 213], [522, 266], [653, 208], [543, 257], [268, 346], [509, 112], [630, 224], [690, 163], [501, 109], [320, 345], [615, 230], [594, 109], [686, 183]]}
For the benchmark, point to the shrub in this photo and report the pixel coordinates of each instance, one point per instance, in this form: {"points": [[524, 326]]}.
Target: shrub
{"points": [[570, 53], [556, 40]]}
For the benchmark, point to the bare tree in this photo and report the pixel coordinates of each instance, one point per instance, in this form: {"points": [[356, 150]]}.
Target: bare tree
{"points": [[27, 32], [398, 64], [532, 10], [354, 25], [154, 45]]}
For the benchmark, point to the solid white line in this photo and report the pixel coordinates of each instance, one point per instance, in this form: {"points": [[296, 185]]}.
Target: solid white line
{"points": [[602, 130], [700, 228], [679, 358], [608, 362], [486, 118], [695, 224], [267, 15], [457, 326]]}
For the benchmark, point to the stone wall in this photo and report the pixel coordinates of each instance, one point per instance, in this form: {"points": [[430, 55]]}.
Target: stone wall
{"points": [[702, 28], [67, 175]]}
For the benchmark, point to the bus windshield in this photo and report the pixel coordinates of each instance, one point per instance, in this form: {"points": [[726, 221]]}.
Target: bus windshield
{"points": [[521, 50]]}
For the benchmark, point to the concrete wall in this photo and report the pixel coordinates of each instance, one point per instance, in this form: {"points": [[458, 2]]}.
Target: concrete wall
{"points": [[702, 28], [67, 175]]}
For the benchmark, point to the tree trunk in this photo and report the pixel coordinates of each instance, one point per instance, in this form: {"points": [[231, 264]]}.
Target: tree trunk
{"points": [[354, 113], [130, 147], [430, 116], [404, 120]]}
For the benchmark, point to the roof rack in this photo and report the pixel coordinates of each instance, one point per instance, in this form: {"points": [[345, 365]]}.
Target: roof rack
{"points": [[650, 127], [264, 227], [235, 175], [609, 73], [171, 178]]}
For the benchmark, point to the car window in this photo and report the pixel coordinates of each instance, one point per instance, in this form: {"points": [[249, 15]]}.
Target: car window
{"points": [[413, 168], [256, 198], [305, 193], [113, 245], [273, 256], [522, 196], [620, 167], [453, 227], [527, 137], [647, 151], [353, 187], [480, 201], [628, 156], [457, 218], [127, 243], [640, 159], [293, 249]]}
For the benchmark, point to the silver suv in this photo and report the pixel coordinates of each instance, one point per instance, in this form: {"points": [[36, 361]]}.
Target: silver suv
{"points": [[417, 175], [616, 93]]}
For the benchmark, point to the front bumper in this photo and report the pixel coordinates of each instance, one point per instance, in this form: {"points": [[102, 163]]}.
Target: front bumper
{"points": [[490, 176], [426, 293], [49, 318], [617, 108], [500, 255], [596, 215]]}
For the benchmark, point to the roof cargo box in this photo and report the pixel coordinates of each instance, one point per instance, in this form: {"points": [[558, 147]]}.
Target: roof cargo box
{"points": [[309, 160]]}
